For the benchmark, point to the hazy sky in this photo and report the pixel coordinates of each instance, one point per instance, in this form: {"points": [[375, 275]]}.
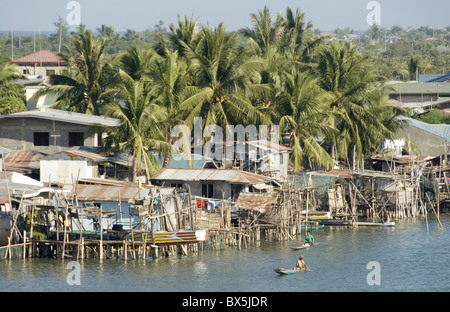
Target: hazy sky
{"points": [[142, 14]]}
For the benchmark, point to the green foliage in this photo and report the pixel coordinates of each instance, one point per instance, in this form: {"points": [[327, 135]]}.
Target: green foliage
{"points": [[279, 71], [435, 116]]}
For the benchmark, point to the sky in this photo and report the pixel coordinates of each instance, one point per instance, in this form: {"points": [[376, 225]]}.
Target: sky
{"points": [[29, 15]]}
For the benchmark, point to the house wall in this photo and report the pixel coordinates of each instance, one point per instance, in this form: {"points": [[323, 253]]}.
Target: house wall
{"points": [[425, 143], [66, 171], [277, 164], [18, 134], [196, 187], [122, 215], [37, 69]]}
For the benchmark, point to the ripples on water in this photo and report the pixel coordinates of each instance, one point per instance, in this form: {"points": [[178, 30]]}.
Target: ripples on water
{"points": [[410, 260]]}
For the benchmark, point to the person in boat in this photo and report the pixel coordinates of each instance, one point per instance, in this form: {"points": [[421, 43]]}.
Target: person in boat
{"points": [[386, 219], [301, 265], [309, 239]]}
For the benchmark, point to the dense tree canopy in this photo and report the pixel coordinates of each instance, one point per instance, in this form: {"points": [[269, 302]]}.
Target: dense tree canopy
{"points": [[329, 95]]}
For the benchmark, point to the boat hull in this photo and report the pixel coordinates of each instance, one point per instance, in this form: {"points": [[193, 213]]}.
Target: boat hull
{"points": [[385, 224], [287, 271], [181, 237], [335, 222]]}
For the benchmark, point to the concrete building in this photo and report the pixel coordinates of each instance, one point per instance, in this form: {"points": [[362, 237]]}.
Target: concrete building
{"points": [[50, 131]]}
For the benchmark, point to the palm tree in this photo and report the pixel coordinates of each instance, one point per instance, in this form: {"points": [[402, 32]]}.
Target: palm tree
{"points": [[141, 127], [265, 33], [353, 84], [283, 44], [300, 39], [83, 87], [137, 62], [186, 35], [305, 107], [168, 77], [410, 69], [12, 97], [221, 81]]}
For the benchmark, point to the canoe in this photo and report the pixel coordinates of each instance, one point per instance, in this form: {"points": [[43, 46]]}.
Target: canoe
{"points": [[305, 245], [314, 226], [287, 271], [335, 222], [164, 238], [392, 223]]}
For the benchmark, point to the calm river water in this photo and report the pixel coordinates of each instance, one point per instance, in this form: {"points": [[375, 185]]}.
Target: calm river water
{"points": [[408, 259]]}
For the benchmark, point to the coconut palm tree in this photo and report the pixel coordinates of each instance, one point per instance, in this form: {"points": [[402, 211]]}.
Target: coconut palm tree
{"points": [[300, 40], [141, 129], [305, 107], [410, 68], [353, 83], [83, 87], [137, 62], [222, 75], [187, 34], [12, 96], [265, 33], [169, 77]]}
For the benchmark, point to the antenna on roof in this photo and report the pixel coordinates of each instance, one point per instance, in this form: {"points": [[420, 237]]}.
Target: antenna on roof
{"points": [[12, 43]]}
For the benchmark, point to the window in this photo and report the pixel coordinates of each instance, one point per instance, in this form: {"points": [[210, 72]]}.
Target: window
{"points": [[177, 185], [26, 71], [208, 190], [76, 138], [41, 138], [50, 72]]}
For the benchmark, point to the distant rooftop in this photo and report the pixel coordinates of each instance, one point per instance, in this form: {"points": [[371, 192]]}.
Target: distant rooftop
{"points": [[44, 57], [439, 88], [434, 77]]}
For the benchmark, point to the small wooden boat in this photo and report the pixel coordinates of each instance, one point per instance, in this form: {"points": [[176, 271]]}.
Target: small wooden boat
{"points": [[181, 237], [388, 224], [313, 226], [305, 245], [335, 222], [282, 271]]}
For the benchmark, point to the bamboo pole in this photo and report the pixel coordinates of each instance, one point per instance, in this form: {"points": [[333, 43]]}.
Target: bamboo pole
{"points": [[101, 234], [437, 216], [24, 243]]}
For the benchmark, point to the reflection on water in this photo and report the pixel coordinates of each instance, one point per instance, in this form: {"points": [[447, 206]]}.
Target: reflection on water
{"points": [[410, 260]]}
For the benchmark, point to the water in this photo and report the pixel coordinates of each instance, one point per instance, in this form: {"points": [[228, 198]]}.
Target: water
{"points": [[410, 259]]}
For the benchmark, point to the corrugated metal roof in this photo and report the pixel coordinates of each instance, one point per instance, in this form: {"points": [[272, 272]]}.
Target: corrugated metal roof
{"points": [[76, 155], [22, 161], [4, 150], [257, 202], [264, 144], [65, 116], [46, 57], [228, 175], [404, 88], [95, 192], [441, 130]]}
